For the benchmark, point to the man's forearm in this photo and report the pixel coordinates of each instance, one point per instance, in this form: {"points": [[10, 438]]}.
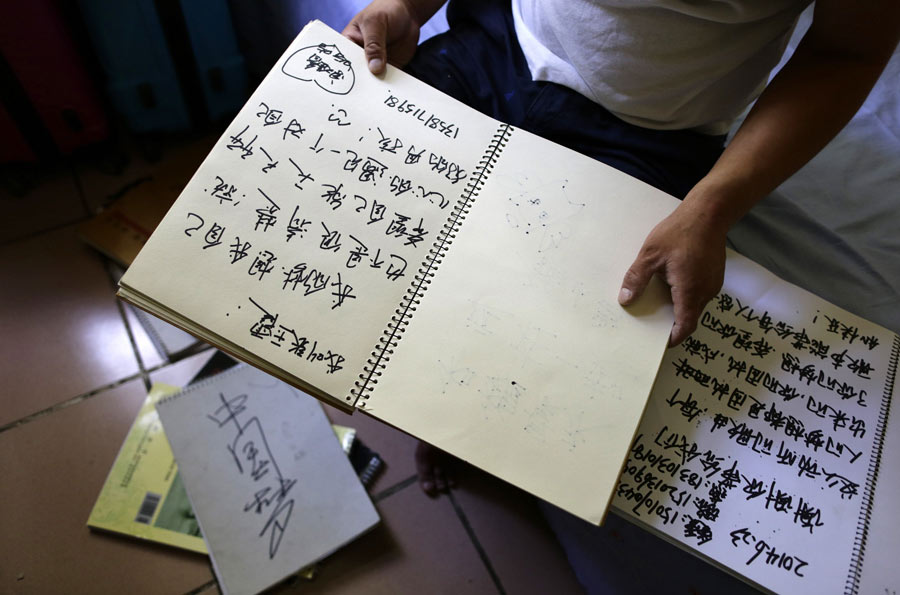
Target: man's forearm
{"points": [[803, 108], [811, 99], [422, 10]]}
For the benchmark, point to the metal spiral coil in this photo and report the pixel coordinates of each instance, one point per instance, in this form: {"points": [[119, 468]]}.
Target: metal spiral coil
{"points": [[851, 587], [400, 319]]}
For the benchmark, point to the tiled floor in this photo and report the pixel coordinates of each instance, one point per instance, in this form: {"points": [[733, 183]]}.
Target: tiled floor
{"points": [[75, 366]]}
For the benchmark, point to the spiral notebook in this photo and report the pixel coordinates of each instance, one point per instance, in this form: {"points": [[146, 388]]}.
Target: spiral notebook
{"points": [[761, 448], [386, 248], [390, 250]]}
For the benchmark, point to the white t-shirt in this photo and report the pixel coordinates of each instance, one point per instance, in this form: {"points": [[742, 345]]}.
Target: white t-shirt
{"points": [[665, 64]]}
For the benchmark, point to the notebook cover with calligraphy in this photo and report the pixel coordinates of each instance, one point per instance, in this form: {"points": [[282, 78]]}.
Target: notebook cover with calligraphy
{"points": [[143, 495], [272, 489]]}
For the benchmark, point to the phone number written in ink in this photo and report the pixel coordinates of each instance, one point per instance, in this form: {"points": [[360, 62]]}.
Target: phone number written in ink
{"points": [[427, 119]]}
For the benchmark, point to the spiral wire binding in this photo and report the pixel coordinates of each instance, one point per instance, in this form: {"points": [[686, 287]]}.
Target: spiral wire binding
{"points": [[202, 383], [382, 352], [865, 517]]}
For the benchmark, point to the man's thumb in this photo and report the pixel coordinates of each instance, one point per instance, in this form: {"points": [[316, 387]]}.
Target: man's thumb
{"points": [[374, 32], [636, 279]]}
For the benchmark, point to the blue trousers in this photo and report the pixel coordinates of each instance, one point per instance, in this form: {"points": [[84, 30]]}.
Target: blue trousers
{"points": [[479, 62]]}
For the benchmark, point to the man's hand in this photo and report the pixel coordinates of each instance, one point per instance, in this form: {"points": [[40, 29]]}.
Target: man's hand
{"points": [[389, 30], [805, 105], [687, 251]]}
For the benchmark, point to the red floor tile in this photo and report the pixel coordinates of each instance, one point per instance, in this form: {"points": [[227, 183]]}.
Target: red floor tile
{"points": [[63, 334], [53, 468], [517, 540], [420, 547]]}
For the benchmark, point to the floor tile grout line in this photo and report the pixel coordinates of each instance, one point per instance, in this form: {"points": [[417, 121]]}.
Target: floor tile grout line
{"points": [[128, 330], [202, 587], [397, 487], [137, 353], [464, 520], [83, 396], [67, 403]]}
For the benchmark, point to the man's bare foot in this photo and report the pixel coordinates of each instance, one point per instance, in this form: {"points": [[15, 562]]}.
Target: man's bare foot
{"points": [[435, 469]]}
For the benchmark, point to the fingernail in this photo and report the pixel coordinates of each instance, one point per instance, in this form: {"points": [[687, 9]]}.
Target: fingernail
{"points": [[375, 65], [624, 295]]}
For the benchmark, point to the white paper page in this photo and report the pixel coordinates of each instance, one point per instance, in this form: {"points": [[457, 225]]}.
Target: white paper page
{"points": [[302, 229], [269, 482], [756, 445], [519, 358]]}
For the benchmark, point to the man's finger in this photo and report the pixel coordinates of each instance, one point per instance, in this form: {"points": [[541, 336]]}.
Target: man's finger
{"points": [[686, 314], [636, 279], [374, 34], [352, 32]]}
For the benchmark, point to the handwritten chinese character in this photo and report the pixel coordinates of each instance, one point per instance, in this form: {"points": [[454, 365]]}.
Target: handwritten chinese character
{"points": [[262, 264]]}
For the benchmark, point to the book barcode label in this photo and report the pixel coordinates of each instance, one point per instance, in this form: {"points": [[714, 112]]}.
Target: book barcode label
{"points": [[148, 507]]}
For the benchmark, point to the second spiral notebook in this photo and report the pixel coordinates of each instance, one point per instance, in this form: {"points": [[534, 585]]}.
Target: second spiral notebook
{"points": [[386, 248]]}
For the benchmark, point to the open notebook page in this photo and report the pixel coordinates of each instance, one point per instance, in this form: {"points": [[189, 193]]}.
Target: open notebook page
{"points": [[518, 358], [759, 443], [294, 242]]}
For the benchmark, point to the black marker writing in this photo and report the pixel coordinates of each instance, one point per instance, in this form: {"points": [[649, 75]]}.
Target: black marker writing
{"points": [[253, 458]]}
